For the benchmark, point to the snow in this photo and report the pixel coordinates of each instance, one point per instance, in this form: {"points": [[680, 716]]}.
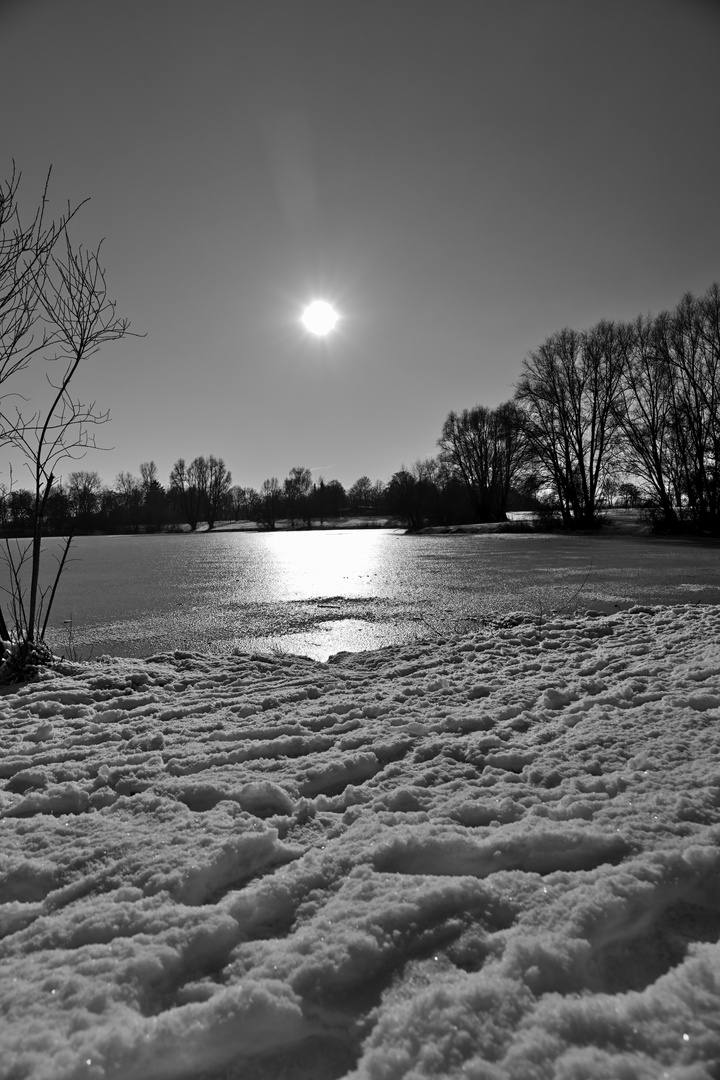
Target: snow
{"points": [[494, 857]]}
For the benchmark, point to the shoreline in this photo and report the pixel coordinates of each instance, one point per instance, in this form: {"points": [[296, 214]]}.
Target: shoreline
{"points": [[619, 523]]}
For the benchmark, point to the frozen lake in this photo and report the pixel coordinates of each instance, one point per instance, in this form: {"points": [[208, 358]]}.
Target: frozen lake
{"points": [[318, 593]]}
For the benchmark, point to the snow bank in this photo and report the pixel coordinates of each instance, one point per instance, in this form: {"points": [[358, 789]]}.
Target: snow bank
{"points": [[494, 857]]}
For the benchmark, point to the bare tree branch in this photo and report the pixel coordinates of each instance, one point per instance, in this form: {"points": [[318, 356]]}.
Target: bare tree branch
{"points": [[54, 308]]}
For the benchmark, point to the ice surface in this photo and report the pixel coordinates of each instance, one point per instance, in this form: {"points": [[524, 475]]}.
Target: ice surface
{"points": [[494, 857]]}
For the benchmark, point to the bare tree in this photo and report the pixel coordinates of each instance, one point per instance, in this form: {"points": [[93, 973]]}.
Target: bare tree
{"points": [[53, 306], [297, 487], [148, 475], [201, 488], [447, 493], [265, 505], [334, 498], [184, 483], [26, 253], [646, 417], [486, 449], [408, 495], [360, 495], [690, 344], [242, 502], [129, 492], [154, 496], [217, 485], [569, 389], [83, 491]]}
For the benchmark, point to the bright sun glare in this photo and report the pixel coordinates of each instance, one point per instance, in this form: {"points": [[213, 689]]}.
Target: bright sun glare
{"points": [[320, 318]]}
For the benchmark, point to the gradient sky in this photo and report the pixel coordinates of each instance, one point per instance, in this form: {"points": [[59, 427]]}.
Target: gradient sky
{"points": [[462, 177]]}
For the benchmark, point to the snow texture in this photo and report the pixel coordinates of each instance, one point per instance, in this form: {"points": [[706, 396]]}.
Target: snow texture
{"points": [[494, 857]]}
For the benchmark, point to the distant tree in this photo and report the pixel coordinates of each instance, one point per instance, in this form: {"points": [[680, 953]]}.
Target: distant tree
{"points": [[334, 498], [689, 342], [57, 520], [646, 417], [83, 491], [297, 487], [486, 449], [20, 507], [252, 505], [198, 479], [106, 513], [185, 483], [217, 485], [238, 501], [377, 498], [446, 497], [266, 508], [629, 495], [154, 497], [407, 495], [129, 492], [155, 509], [317, 502], [17, 512], [360, 496], [148, 475], [569, 389]]}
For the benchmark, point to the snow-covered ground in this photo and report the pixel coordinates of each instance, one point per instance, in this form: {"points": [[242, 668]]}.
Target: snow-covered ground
{"points": [[491, 857]]}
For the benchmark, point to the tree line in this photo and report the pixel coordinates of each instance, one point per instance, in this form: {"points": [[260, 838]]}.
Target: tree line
{"points": [[635, 402], [622, 413], [200, 492]]}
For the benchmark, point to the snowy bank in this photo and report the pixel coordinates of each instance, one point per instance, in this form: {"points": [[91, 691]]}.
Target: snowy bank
{"points": [[495, 857]]}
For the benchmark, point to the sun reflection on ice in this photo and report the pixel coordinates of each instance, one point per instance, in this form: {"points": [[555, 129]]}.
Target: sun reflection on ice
{"points": [[329, 572], [306, 565], [330, 637]]}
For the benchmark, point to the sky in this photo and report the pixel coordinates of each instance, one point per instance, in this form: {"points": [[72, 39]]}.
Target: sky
{"points": [[461, 178]]}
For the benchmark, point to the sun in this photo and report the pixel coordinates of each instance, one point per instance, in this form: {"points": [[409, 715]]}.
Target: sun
{"points": [[320, 318]]}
